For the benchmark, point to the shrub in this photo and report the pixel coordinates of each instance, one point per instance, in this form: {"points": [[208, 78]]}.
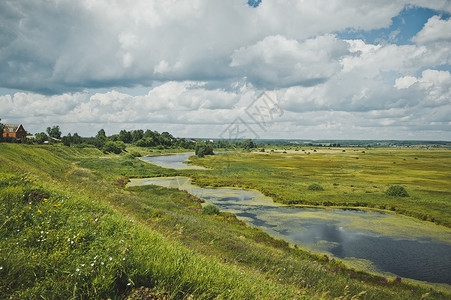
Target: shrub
{"points": [[115, 147], [397, 191], [210, 209], [315, 187]]}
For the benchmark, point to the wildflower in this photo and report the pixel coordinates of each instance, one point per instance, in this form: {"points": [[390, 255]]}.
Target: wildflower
{"points": [[39, 211], [111, 258], [78, 270]]}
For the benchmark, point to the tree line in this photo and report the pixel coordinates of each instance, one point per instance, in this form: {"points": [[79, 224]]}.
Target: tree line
{"points": [[116, 143]]}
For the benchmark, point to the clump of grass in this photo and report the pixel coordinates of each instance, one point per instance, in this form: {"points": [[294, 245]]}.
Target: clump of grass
{"points": [[397, 191], [315, 187], [210, 209]]}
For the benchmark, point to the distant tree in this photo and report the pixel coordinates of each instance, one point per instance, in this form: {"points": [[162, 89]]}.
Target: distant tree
{"points": [[137, 135], [76, 139], [100, 139], [203, 148], [101, 134], [1, 131], [167, 135], [114, 147], [54, 132], [248, 144], [67, 139], [150, 133], [41, 137], [146, 142], [125, 136]]}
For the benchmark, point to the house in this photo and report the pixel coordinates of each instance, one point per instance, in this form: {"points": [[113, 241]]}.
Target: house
{"points": [[14, 131]]}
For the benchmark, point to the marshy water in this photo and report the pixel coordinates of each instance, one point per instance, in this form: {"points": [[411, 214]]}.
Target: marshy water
{"points": [[174, 161], [383, 243]]}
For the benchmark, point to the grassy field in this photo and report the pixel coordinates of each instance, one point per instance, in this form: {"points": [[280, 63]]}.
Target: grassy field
{"points": [[70, 229], [349, 178]]}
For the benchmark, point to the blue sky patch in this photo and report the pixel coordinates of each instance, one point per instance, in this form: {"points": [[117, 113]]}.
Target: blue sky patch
{"points": [[403, 28], [254, 3]]}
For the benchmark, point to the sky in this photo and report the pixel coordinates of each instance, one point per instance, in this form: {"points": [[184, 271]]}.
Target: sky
{"points": [[291, 69]]}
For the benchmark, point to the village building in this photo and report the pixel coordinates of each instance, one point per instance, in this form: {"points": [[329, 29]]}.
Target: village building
{"points": [[14, 131]]}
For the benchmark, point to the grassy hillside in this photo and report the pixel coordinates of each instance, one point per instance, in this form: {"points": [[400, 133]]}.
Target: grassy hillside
{"points": [[70, 229]]}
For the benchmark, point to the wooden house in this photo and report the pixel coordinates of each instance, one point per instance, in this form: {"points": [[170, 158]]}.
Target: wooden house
{"points": [[14, 131]]}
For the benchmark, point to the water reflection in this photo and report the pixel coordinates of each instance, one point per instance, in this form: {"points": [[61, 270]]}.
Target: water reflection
{"points": [[388, 243], [173, 161]]}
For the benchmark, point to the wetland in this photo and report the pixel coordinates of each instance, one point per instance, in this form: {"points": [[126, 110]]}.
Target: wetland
{"points": [[376, 241]]}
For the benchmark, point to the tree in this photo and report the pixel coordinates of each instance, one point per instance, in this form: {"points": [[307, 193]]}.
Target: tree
{"points": [[125, 136], [137, 135], [41, 137], [54, 132], [100, 139], [203, 148], [67, 140], [115, 147], [1, 131], [76, 139], [248, 144], [101, 134], [167, 135]]}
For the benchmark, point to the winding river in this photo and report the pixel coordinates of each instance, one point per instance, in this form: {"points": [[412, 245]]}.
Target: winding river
{"points": [[383, 243]]}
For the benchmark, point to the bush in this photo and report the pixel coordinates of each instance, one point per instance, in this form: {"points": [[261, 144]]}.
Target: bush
{"points": [[210, 209], [397, 191], [315, 187], [203, 149], [115, 147]]}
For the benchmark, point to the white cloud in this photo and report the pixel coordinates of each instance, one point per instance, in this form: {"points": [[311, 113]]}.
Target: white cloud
{"points": [[278, 61], [207, 60], [435, 30], [405, 82]]}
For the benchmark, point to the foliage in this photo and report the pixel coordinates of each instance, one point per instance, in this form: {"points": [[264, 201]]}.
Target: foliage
{"points": [[114, 147], [40, 138], [210, 209], [397, 191], [315, 187], [54, 132], [203, 148], [71, 139]]}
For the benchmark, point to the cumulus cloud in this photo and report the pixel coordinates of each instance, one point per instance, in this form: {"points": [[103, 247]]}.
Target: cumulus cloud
{"points": [[435, 30], [203, 62], [277, 61], [60, 46]]}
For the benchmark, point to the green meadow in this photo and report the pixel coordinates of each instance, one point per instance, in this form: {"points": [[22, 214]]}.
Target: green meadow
{"points": [[70, 228], [346, 177]]}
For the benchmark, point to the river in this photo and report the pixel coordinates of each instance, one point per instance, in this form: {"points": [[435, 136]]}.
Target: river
{"points": [[383, 243]]}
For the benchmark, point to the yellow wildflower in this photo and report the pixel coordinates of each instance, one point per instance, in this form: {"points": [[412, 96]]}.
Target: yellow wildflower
{"points": [[39, 211]]}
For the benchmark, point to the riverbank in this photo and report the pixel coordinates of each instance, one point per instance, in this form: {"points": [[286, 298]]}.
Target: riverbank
{"points": [[168, 245], [382, 243]]}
